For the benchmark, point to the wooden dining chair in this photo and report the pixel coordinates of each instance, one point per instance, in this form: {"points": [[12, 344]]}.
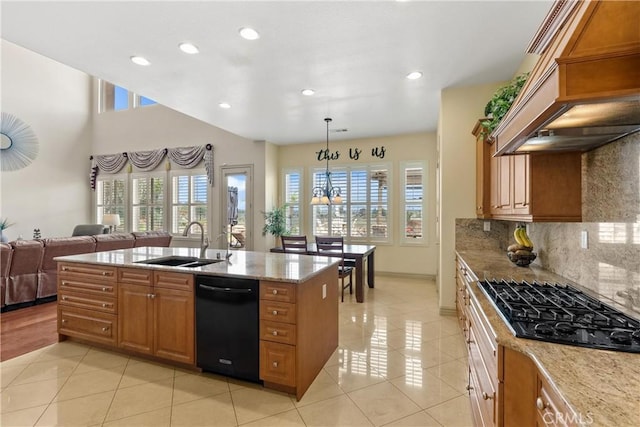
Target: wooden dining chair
{"points": [[294, 244], [334, 246]]}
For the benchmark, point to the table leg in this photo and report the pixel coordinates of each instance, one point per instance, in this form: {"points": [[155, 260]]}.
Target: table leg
{"points": [[370, 270], [359, 280]]}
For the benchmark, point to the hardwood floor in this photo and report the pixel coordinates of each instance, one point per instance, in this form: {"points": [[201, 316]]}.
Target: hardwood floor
{"points": [[27, 329]]}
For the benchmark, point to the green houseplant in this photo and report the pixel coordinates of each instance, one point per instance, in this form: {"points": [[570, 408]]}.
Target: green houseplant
{"points": [[4, 224], [275, 223], [501, 101]]}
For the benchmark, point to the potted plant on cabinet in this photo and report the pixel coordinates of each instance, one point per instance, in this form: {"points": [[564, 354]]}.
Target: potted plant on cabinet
{"points": [[501, 101], [275, 223]]}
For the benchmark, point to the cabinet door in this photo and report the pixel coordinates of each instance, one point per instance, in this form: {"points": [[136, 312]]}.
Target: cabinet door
{"points": [[174, 325], [483, 177], [135, 318], [504, 184], [521, 184]]}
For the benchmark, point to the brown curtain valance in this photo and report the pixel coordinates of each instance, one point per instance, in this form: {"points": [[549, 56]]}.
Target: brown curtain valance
{"points": [[186, 157]]}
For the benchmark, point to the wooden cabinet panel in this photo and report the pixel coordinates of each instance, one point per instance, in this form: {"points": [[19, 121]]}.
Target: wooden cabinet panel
{"points": [[87, 271], [551, 408], [174, 325], [177, 281], [135, 276], [135, 310], [92, 286], [278, 332], [277, 291], [483, 176], [278, 311], [521, 201], [278, 363], [88, 324], [88, 301]]}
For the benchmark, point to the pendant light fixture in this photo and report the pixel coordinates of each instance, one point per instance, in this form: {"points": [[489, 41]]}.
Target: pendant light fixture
{"points": [[326, 194]]}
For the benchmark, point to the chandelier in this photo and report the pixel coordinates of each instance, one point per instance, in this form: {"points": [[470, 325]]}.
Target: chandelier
{"points": [[326, 194]]}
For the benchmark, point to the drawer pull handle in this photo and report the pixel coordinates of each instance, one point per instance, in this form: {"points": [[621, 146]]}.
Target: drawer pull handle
{"points": [[275, 333], [104, 289], [64, 283], [64, 298], [104, 273], [275, 292], [64, 320], [469, 388], [275, 364], [104, 304], [275, 312], [65, 268], [153, 296], [469, 341], [105, 329], [485, 396], [540, 404]]}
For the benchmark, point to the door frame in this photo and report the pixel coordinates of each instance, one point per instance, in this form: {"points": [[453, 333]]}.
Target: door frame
{"points": [[246, 169]]}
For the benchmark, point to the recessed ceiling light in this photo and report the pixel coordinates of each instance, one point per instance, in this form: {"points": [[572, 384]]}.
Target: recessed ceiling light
{"points": [[139, 60], [414, 75], [249, 33], [308, 92], [224, 105], [189, 48]]}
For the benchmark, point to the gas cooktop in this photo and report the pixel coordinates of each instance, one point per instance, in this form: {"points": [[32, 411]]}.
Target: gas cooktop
{"points": [[562, 314]]}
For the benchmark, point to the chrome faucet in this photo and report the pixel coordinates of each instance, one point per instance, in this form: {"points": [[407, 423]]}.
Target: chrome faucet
{"points": [[204, 240]]}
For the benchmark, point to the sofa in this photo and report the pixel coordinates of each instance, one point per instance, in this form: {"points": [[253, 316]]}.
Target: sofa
{"points": [[29, 272]]}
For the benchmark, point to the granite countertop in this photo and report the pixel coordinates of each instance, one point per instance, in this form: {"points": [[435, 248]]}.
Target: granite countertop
{"points": [[242, 264], [602, 386]]}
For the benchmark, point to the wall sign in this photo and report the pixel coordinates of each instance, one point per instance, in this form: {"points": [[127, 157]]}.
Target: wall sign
{"points": [[354, 154]]}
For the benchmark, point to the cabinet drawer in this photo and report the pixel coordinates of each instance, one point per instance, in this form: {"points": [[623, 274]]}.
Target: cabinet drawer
{"points": [[277, 291], [68, 282], [277, 363], [105, 273], [88, 324], [485, 338], [135, 276], [278, 311], [88, 301], [482, 402], [278, 332], [177, 281]]}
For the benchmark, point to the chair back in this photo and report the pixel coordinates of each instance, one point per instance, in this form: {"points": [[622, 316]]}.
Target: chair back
{"points": [[331, 246], [294, 244]]}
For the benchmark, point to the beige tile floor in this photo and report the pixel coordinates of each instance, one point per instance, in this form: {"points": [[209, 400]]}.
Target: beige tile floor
{"points": [[399, 363]]}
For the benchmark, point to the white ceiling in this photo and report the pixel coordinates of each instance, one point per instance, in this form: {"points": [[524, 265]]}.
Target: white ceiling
{"points": [[354, 54]]}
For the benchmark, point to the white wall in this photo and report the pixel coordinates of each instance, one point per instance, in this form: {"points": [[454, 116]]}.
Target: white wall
{"points": [[53, 99], [156, 126], [460, 109], [394, 257]]}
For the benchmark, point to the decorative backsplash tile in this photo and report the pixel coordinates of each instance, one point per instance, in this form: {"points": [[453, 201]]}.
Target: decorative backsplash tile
{"points": [[610, 265]]}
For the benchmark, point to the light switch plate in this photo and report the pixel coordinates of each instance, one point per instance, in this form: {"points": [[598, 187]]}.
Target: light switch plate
{"points": [[324, 291], [486, 226], [584, 239]]}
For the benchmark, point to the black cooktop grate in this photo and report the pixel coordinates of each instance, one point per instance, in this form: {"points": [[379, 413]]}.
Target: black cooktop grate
{"points": [[562, 314]]}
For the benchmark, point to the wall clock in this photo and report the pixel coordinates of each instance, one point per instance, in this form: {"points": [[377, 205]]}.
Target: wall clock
{"points": [[18, 143]]}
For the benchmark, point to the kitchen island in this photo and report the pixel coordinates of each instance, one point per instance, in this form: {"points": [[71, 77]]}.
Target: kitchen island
{"points": [[115, 299], [551, 384]]}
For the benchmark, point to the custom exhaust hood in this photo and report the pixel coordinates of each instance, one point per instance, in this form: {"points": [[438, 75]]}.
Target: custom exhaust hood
{"points": [[584, 91]]}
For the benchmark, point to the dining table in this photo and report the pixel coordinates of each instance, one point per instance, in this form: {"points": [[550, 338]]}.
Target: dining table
{"points": [[359, 253]]}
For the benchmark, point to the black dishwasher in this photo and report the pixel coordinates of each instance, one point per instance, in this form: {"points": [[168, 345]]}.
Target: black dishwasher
{"points": [[227, 327]]}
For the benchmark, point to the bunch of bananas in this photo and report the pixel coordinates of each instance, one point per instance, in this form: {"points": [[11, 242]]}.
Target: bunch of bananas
{"points": [[521, 252]]}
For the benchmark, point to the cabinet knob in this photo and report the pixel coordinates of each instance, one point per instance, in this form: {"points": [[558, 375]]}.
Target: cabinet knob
{"points": [[104, 289], [105, 329], [104, 273], [64, 320], [275, 364], [275, 312], [64, 298], [64, 283], [104, 304], [153, 296], [275, 292], [65, 268], [485, 396], [275, 333], [540, 404]]}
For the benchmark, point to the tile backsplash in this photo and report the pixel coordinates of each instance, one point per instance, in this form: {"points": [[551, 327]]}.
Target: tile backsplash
{"points": [[610, 265]]}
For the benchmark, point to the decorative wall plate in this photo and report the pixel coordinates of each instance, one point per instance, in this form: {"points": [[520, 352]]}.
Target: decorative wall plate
{"points": [[18, 143]]}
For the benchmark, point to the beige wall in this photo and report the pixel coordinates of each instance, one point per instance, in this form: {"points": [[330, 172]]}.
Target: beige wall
{"points": [[460, 108], [394, 257], [52, 193]]}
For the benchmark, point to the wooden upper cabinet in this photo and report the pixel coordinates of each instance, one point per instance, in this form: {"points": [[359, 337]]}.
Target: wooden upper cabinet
{"points": [[483, 175]]}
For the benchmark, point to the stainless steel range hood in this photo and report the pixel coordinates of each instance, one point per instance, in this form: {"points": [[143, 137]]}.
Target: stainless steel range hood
{"points": [[584, 91]]}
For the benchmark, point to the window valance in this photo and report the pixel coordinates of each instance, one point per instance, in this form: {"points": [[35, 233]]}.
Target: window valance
{"points": [[186, 157]]}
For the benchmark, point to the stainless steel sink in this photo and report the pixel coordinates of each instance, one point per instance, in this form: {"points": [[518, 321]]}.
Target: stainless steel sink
{"points": [[180, 261]]}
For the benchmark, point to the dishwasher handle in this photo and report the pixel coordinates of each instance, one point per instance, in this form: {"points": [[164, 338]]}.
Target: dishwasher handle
{"points": [[225, 290]]}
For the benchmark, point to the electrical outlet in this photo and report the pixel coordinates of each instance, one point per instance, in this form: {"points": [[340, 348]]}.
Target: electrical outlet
{"points": [[584, 239], [324, 291], [486, 226]]}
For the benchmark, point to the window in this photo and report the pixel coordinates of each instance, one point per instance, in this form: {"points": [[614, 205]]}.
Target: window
{"points": [[364, 212], [147, 202], [413, 177], [111, 198], [292, 199], [190, 192], [116, 98]]}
